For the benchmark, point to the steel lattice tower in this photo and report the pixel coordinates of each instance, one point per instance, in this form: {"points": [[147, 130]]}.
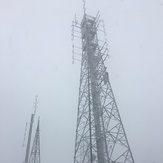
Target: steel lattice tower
{"points": [[35, 151], [30, 132], [100, 135]]}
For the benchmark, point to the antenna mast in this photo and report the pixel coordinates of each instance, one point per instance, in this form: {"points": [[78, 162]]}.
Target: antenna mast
{"points": [[84, 6], [35, 151], [100, 134], [30, 131]]}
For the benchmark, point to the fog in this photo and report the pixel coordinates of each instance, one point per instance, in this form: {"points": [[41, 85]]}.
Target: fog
{"points": [[36, 59]]}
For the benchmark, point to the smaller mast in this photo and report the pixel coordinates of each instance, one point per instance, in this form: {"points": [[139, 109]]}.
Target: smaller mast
{"points": [[30, 130], [35, 151]]}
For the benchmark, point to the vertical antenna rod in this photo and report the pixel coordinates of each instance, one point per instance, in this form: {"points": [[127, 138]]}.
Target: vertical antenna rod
{"points": [[84, 6]]}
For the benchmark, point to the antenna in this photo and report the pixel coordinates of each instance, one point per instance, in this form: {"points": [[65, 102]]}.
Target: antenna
{"points": [[25, 134], [84, 6], [35, 104]]}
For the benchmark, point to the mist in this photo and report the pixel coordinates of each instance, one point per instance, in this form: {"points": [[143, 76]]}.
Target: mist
{"points": [[36, 59]]}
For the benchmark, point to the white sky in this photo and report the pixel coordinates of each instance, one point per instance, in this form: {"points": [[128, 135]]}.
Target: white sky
{"points": [[36, 58]]}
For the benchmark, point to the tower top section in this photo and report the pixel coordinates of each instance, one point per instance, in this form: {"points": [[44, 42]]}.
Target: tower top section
{"points": [[92, 27]]}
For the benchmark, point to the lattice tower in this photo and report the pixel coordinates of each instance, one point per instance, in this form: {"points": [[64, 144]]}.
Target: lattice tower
{"points": [[100, 134], [35, 151]]}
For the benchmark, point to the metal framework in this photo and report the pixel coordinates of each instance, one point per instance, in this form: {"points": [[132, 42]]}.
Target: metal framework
{"points": [[100, 135], [35, 151], [30, 132]]}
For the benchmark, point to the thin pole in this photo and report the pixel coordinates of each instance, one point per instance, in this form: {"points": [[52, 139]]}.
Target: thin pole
{"points": [[90, 123], [84, 6]]}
